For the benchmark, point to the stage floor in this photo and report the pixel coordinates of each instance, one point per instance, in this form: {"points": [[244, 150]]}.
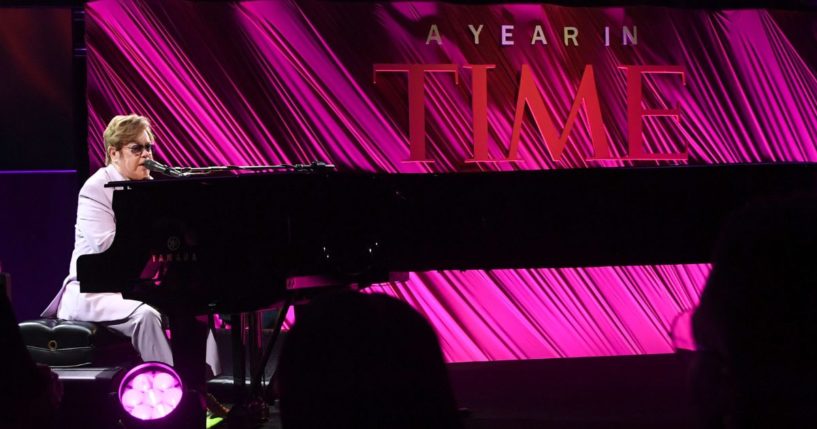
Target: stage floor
{"points": [[632, 392]]}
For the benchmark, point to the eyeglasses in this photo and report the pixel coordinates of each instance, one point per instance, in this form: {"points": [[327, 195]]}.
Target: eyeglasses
{"points": [[137, 148]]}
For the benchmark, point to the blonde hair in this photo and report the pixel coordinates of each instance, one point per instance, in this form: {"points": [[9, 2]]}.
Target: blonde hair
{"points": [[124, 129]]}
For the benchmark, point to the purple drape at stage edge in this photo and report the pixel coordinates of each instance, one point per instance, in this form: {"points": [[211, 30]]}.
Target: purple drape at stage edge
{"points": [[379, 87]]}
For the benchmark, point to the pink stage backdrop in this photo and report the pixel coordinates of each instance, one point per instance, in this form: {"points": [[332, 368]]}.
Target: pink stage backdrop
{"points": [[262, 82]]}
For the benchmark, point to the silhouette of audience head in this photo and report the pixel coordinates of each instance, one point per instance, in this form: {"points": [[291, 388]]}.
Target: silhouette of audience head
{"points": [[357, 360], [756, 325]]}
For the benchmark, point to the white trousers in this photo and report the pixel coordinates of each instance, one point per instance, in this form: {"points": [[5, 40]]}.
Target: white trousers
{"points": [[144, 327]]}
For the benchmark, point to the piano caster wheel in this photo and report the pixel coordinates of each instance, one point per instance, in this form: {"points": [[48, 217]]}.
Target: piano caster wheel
{"points": [[258, 410], [249, 415]]}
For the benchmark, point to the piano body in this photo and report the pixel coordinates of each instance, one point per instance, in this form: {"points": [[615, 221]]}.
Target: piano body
{"points": [[232, 244], [229, 243]]}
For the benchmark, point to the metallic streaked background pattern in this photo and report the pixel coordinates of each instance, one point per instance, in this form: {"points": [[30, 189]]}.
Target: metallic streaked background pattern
{"points": [[263, 82]]}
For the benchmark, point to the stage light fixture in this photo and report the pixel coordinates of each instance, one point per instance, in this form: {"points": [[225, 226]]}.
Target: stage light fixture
{"points": [[150, 391]]}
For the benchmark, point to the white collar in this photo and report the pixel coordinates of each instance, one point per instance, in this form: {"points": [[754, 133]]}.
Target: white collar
{"points": [[114, 174]]}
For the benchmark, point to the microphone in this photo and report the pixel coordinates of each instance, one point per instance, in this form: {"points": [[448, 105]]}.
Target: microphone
{"points": [[158, 167]]}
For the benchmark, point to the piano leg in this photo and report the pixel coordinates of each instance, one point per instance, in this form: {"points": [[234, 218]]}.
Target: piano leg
{"points": [[239, 359], [258, 376], [257, 408], [188, 344], [254, 332], [250, 407]]}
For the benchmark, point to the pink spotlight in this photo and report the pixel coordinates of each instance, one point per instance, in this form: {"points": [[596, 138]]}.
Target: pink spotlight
{"points": [[150, 391]]}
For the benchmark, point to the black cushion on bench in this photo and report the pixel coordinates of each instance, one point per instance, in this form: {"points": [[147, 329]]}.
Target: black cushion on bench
{"points": [[68, 343]]}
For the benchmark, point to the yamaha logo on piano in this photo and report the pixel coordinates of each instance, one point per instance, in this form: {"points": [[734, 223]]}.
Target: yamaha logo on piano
{"points": [[173, 243], [174, 257]]}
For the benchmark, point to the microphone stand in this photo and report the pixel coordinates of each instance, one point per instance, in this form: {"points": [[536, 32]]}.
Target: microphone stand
{"points": [[198, 171]]}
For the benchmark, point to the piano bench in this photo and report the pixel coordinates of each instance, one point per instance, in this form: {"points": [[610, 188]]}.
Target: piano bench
{"points": [[68, 344]]}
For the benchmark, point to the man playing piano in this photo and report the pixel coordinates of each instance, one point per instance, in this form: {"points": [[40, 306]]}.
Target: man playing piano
{"points": [[128, 143]]}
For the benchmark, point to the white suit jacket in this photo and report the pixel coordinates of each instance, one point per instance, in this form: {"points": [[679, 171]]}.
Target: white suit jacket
{"points": [[94, 233]]}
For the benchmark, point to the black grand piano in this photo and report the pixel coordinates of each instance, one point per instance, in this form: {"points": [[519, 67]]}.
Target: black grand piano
{"points": [[241, 242], [230, 243]]}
